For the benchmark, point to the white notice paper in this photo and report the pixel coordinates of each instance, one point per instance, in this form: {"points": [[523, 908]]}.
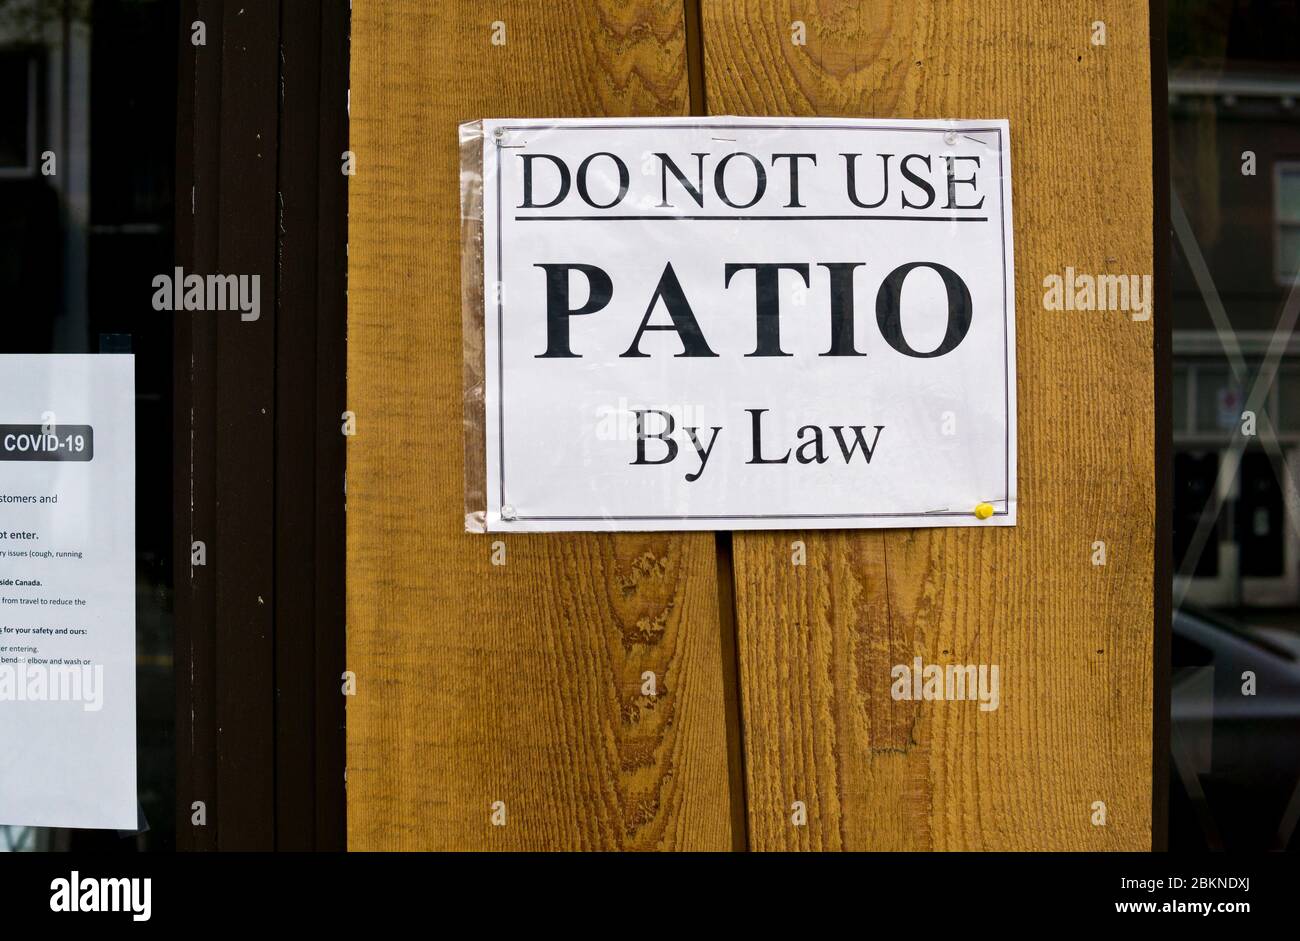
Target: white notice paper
{"points": [[67, 591], [748, 323]]}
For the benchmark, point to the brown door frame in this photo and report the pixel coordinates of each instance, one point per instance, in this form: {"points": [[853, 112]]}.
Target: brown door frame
{"points": [[261, 127], [1162, 554]]}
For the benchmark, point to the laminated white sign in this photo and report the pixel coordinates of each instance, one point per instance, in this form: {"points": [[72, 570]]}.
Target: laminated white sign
{"points": [[747, 323], [67, 591]]}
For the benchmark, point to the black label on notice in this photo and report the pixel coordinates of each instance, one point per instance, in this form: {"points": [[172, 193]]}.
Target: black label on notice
{"points": [[41, 443]]}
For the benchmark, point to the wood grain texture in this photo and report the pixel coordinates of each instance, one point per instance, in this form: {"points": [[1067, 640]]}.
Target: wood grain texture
{"points": [[519, 683], [1073, 640]]}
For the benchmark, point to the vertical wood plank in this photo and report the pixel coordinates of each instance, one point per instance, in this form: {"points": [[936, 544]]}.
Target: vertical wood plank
{"points": [[198, 144], [243, 545], [517, 683], [1073, 640], [331, 454], [310, 398], [296, 427]]}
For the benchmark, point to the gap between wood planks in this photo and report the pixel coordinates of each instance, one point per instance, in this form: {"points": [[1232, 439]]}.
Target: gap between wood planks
{"points": [[727, 623]]}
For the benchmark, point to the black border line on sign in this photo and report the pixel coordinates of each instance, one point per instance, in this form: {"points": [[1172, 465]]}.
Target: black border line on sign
{"points": [[1006, 366]]}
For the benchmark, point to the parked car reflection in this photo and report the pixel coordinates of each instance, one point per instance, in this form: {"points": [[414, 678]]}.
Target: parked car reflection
{"points": [[1235, 735]]}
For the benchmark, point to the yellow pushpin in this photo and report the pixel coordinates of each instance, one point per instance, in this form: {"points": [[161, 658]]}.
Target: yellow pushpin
{"points": [[983, 510]]}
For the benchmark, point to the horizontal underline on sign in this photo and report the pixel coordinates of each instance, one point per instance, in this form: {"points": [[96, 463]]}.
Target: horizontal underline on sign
{"points": [[750, 218]]}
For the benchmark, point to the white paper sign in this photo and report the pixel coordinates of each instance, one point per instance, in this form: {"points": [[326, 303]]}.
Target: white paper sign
{"points": [[748, 323], [67, 591]]}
